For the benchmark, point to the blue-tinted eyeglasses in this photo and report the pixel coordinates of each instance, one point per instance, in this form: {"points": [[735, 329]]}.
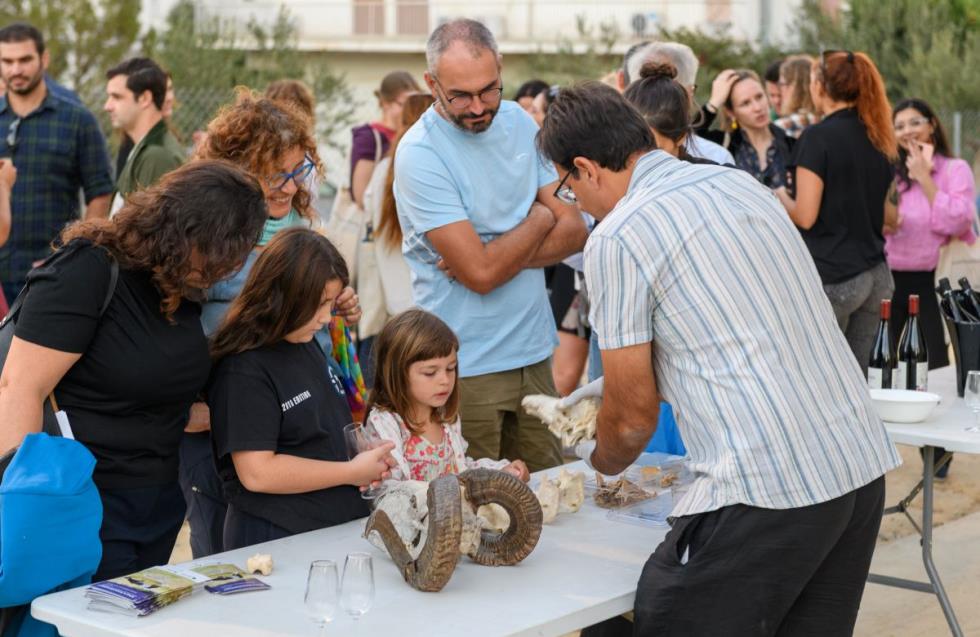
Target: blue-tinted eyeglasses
{"points": [[279, 181]]}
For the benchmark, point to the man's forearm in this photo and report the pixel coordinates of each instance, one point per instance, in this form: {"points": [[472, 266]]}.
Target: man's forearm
{"points": [[98, 208], [565, 239], [621, 437]]}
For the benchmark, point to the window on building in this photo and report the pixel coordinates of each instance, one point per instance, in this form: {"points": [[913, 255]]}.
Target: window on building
{"points": [[718, 11], [369, 17], [412, 17]]}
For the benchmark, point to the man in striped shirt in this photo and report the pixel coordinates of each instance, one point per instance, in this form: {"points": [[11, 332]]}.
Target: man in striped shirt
{"points": [[703, 292]]}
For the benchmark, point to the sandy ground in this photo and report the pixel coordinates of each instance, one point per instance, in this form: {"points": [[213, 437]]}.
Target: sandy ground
{"points": [[892, 612]]}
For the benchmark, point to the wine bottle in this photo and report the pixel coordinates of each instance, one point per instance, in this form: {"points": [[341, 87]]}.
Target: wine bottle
{"points": [[913, 359], [972, 302], [949, 302], [881, 364]]}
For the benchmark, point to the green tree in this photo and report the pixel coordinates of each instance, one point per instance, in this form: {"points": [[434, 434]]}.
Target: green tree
{"points": [[84, 37], [209, 57], [588, 56], [928, 49]]}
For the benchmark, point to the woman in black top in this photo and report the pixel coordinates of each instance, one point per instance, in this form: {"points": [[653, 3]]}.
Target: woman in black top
{"points": [[127, 378], [277, 410], [759, 147], [842, 176]]}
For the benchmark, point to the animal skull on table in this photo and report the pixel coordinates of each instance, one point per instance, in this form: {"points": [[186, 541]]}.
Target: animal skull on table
{"points": [[425, 527]]}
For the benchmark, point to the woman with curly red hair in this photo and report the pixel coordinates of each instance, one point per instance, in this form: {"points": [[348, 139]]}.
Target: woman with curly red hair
{"points": [[842, 169], [126, 372], [273, 140]]}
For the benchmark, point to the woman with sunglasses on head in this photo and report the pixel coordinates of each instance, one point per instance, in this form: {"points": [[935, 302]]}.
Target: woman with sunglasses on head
{"points": [[842, 175], [111, 328], [934, 194], [272, 140]]}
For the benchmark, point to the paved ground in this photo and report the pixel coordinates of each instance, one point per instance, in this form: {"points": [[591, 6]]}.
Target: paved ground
{"points": [[892, 612]]}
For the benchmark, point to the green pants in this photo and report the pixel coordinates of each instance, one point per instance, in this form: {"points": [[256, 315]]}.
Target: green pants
{"points": [[496, 426]]}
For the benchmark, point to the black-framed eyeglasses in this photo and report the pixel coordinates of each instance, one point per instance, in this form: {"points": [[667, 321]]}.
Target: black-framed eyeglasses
{"points": [[564, 193], [279, 181], [463, 100], [12, 135]]}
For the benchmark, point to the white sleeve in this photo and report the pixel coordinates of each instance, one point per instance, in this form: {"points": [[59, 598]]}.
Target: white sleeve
{"points": [[389, 427]]}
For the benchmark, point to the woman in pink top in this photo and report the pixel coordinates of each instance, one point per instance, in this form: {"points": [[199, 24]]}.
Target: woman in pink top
{"points": [[935, 197]]}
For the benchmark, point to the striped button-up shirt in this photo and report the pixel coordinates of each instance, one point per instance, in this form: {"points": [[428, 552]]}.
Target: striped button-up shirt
{"points": [[58, 149], [703, 262]]}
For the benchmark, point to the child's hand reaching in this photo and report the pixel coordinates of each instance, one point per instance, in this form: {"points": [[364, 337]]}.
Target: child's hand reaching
{"points": [[369, 468], [518, 469]]}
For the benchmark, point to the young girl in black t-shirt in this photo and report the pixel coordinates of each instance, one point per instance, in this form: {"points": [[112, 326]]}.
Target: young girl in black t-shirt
{"points": [[277, 408]]}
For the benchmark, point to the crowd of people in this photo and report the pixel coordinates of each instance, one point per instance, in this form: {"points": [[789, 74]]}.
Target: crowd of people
{"points": [[210, 341]]}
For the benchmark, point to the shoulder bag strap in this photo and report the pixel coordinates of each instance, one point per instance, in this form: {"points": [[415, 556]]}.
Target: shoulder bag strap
{"points": [[377, 145], [110, 291]]}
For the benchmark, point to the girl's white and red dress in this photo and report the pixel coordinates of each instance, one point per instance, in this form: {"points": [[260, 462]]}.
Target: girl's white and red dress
{"points": [[420, 459]]}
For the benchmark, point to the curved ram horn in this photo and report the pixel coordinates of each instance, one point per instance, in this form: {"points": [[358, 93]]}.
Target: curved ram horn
{"points": [[437, 560], [486, 486]]}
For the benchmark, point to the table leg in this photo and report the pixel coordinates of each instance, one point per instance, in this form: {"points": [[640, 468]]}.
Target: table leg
{"points": [[927, 494], [935, 585]]}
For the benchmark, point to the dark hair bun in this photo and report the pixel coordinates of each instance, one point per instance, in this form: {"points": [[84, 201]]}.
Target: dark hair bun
{"points": [[657, 70]]}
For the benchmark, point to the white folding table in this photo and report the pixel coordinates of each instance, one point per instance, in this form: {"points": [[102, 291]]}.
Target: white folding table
{"points": [[584, 570], [946, 427]]}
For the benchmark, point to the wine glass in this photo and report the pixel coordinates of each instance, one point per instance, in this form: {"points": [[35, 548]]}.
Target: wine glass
{"points": [[357, 588], [971, 392], [322, 591], [361, 437]]}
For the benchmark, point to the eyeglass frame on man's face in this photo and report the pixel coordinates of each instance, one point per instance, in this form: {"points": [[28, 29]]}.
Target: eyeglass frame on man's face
{"points": [[469, 97], [298, 175], [564, 192]]}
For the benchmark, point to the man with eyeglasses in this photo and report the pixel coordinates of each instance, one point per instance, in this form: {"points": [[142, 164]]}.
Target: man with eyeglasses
{"points": [[136, 91], [480, 218], [693, 269], [57, 148]]}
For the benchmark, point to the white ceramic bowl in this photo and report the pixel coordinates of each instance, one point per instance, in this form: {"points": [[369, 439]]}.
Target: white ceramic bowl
{"points": [[903, 405]]}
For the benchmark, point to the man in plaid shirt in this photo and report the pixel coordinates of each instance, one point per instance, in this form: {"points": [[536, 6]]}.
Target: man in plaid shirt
{"points": [[57, 147]]}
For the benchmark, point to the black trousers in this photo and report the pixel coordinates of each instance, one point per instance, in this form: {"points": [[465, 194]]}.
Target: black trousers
{"points": [[201, 486], [245, 529], [139, 528], [745, 571]]}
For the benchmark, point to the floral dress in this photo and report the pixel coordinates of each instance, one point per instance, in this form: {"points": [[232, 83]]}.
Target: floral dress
{"points": [[417, 458], [427, 460]]}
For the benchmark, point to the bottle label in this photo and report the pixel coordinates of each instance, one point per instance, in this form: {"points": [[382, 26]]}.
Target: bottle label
{"points": [[922, 376], [918, 382], [875, 377]]}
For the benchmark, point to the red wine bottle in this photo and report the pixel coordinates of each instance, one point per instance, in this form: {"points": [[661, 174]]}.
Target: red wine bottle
{"points": [[881, 364], [913, 358], [950, 303], [972, 302]]}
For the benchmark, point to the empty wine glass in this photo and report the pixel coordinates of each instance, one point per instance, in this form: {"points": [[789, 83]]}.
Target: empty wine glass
{"points": [[362, 437], [322, 591], [357, 588], [971, 392]]}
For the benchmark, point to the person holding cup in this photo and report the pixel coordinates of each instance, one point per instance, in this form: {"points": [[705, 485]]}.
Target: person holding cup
{"points": [[277, 409]]}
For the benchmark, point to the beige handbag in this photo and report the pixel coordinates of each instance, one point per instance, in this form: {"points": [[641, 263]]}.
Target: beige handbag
{"points": [[348, 223]]}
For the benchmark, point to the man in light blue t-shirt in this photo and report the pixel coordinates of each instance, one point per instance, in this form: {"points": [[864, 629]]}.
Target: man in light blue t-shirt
{"points": [[480, 219]]}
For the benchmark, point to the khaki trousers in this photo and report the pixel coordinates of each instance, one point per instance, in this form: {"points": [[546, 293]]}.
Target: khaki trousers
{"points": [[496, 426]]}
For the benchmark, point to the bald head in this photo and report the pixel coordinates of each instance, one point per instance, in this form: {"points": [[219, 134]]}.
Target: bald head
{"points": [[474, 37]]}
